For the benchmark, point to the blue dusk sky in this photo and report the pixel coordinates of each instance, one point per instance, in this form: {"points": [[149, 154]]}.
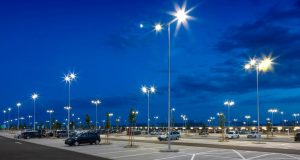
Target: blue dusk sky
{"points": [[102, 41]]}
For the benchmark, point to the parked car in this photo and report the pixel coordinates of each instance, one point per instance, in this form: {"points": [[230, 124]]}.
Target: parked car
{"points": [[155, 133], [232, 135], [61, 133], [81, 138], [253, 135], [135, 132], [31, 134], [297, 137], [48, 134], [203, 133], [174, 135]]}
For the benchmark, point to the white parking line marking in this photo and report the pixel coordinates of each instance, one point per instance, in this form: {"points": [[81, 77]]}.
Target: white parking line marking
{"points": [[134, 155], [239, 154], [131, 150], [193, 157], [262, 156], [142, 154], [291, 156], [18, 142], [174, 157]]}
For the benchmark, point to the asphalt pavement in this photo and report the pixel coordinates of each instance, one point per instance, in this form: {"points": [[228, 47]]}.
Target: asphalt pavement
{"points": [[11, 149]]}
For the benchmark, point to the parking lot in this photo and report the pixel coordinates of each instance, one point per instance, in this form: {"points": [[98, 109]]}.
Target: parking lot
{"points": [[117, 150]]}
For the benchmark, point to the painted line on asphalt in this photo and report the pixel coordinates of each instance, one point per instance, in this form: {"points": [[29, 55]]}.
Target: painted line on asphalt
{"points": [[291, 156], [142, 154], [239, 154], [263, 155], [18, 142], [130, 150], [193, 157], [134, 155], [174, 157]]}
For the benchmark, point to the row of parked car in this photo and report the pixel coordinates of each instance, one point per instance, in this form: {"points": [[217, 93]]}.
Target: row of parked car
{"points": [[234, 134], [28, 133], [93, 136]]}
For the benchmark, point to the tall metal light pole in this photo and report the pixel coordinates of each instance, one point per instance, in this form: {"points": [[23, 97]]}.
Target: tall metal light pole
{"points": [[184, 118], [156, 118], [260, 65], [68, 79], [9, 110], [34, 97], [181, 17], [50, 111], [282, 113], [68, 108], [22, 118], [18, 106], [147, 91], [247, 118], [172, 116], [235, 120], [96, 103], [209, 121], [29, 117], [228, 104], [4, 113], [272, 111], [295, 115]]}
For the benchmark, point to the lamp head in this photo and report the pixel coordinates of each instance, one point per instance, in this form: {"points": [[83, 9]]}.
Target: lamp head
{"points": [[34, 96]]}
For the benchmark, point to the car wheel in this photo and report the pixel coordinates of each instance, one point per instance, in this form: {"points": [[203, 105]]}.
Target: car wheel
{"points": [[177, 138], [97, 142], [76, 143], [27, 137], [238, 136]]}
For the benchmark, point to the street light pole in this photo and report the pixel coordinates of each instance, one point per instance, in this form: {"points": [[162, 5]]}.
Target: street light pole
{"points": [[68, 79], [18, 106], [148, 91], [181, 17], [9, 109], [229, 103], [34, 97], [272, 111], [4, 113], [260, 65], [96, 103], [247, 118], [172, 116], [50, 111]]}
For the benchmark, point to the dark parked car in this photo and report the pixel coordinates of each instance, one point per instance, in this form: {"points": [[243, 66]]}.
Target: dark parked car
{"points": [[135, 132], [81, 138], [31, 134], [297, 137], [203, 133], [61, 133]]}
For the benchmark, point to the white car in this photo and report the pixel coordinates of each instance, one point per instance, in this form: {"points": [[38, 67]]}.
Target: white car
{"points": [[232, 135], [253, 135], [174, 135]]}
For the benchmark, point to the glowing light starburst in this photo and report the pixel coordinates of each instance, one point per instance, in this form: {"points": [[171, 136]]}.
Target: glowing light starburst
{"points": [[262, 65], [158, 27], [70, 77], [181, 15]]}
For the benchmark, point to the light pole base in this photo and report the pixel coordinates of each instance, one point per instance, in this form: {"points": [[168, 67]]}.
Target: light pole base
{"points": [[169, 150], [131, 146]]}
